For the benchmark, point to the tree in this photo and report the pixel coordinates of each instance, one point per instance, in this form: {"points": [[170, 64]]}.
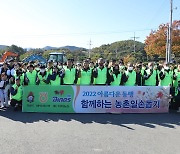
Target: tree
{"points": [[16, 49], [119, 50], [155, 43]]}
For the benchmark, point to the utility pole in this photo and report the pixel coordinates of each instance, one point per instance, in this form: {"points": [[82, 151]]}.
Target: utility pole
{"points": [[90, 43], [169, 37], [134, 38], [116, 51], [167, 44]]}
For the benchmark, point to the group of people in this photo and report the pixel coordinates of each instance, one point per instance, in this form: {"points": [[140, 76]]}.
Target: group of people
{"points": [[14, 75]]}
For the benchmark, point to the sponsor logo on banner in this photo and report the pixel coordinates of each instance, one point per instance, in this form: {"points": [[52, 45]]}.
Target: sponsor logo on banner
{"points": [[30, 97], [43, 97], [60, 98], [57, 99]]}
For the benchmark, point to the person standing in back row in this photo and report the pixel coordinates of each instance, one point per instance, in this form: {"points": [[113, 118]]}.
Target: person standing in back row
{"points": [[101, 73], [130, 76], [150, 75], [69, 74], [85, 74]]}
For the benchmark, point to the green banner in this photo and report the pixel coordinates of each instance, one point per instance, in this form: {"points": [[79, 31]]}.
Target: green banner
{"points": [[96, 99], [54, 99]]}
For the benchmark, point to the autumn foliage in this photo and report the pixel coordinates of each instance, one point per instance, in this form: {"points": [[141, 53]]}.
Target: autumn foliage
{"points": [[155, 43]]}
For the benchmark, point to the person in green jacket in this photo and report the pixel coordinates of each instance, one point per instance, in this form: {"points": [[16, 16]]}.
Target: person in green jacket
{"points": [[16, 95]]}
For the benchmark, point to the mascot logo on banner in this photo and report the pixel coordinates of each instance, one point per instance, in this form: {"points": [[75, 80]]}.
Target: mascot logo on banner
{"points": [[43, 97], [30, 97]]}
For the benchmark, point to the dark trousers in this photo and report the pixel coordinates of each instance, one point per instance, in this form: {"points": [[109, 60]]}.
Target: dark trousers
{"points": [[15, 102], [177, 101]]}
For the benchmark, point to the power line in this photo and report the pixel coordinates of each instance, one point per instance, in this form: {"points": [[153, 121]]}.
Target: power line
{"points": [[86, 33]]}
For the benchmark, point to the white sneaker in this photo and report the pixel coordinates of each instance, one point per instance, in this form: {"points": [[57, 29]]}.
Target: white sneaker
{"points": [[2, 105], [178, 110]]}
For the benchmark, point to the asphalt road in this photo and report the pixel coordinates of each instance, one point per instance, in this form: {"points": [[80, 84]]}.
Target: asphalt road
{"points": [[36, 133]]}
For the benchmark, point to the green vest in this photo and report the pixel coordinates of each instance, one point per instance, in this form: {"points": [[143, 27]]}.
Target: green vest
{"points": [[49, 72], [21, 78], [69, 76], [41, 78], [32, 77], [151, 81], [56, 82], [19, 94], [117, 80], [175, 82], [85, 78], [102, 76], [167, 79], [131, 81], [142, 71]]}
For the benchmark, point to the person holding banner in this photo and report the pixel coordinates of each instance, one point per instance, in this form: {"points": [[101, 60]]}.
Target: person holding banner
{"points": [[85, 74], [16, 95]]}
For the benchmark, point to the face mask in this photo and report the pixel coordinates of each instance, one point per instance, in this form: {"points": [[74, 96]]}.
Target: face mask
{"points": [[166, 68], [150, 67], [42, 70], [60, 67], [55, 64], [130, 68]]}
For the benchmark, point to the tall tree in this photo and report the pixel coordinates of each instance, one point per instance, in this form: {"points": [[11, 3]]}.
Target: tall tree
{"points": [[155, 43]]}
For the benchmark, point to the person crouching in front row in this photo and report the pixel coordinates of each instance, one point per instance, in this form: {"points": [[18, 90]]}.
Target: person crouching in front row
{"points": [[16, 95]]}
